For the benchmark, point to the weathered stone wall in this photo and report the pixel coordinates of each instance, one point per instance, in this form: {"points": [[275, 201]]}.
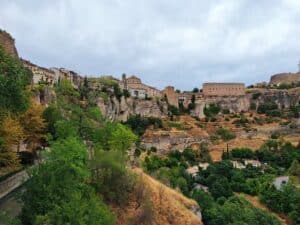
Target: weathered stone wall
{"points": [[224, 89], [134, 83], [172, 96], [13, 182], [283, 98], [40, 73], [115, 110], [286, 78], [8, 43], [234, 104]]}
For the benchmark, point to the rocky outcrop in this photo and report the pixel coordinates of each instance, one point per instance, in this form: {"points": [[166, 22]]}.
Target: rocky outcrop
{"points": [[114, 109], [283, 98], [44, 95], [165, 141], [233, 104]]}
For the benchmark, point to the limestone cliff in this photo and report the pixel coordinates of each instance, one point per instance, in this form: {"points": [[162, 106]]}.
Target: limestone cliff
{"points": [[233, 104], [121, 110], [283, 98]]}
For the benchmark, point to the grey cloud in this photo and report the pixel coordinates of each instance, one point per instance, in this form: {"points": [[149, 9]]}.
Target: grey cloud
{"points": [[184, 43]]}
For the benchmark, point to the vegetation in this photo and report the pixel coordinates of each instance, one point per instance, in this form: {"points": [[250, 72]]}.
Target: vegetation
{"points": [[139, 124], [225, 134], [211, 110]]}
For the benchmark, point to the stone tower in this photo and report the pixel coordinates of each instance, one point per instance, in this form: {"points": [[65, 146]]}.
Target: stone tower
{"points": [[299, 67], [124, 81], [8, 43]]}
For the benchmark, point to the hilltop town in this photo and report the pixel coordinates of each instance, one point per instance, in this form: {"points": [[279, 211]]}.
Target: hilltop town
{"points": [[153, 156], [233, 95]]}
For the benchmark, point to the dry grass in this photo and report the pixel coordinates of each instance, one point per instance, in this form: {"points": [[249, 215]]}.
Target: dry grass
{"points": [[253, 143], [169, 206]]}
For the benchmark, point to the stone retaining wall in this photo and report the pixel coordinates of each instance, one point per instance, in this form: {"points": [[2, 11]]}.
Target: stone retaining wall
{"points": [[13, 182]]}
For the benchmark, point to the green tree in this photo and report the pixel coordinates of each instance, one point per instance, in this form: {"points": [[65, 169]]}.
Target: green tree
{"points": [[58, 192], [13, 81]]}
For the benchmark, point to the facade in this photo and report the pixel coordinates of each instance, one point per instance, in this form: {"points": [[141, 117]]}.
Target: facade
{"points": [[137, 89], [285, 78], [171, 95], [62, 73], [224, 89], [8, 43], [40, 74]]}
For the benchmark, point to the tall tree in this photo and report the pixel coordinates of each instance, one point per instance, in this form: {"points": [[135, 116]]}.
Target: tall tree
{"points": [[13, 81], [34, 126]]}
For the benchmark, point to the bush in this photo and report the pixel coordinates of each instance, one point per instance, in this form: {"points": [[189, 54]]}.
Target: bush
{"points": [[225, 134], [225, 111], [211, 110], [242, 153], [253, 106], [256, 95], [267, 106]]}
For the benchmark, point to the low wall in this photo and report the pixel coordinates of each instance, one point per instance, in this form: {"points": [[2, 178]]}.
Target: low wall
{"points": [[13, 182]]}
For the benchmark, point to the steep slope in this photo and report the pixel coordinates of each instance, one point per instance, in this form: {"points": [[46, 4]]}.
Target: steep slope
{"points": [[168, 206]]}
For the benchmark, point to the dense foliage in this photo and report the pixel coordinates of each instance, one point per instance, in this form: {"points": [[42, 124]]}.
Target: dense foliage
{"points": [[13, 81]]}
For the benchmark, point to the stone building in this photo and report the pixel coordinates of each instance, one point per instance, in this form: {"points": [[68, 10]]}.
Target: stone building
{"points": [[285, 78], [40, 74], [224, 89], [8, 43], [185, 98], [62, 73], [171, 95], [137, 89]]}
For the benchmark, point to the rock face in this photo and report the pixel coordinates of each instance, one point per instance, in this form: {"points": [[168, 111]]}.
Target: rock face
{"points": [[233, 104], [171, 140], [8, 43], [121, 110], [283, 98], [44, 96]]}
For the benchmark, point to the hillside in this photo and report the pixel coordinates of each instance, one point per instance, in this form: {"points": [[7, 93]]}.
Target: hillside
{"points": [[169, 206]]}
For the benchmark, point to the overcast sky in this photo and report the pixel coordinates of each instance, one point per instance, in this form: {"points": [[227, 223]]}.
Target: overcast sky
{"points": [[183, 43]]}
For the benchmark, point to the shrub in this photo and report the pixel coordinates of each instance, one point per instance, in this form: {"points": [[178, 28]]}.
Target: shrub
{"points": [[225, 134], [253, 106], [226, 111], [256, 95], [267, 106], [211, 110], [242, 153]]}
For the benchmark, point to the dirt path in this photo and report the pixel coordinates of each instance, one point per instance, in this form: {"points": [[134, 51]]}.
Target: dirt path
{"points": [[254, 200]]}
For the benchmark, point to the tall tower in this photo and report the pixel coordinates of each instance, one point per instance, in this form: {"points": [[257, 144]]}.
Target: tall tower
{"points": [[299, 67], [124, 81]]}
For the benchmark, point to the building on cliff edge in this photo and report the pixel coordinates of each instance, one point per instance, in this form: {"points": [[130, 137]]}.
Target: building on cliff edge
{"points": [[8, 44], [284, 78], [137, 89], [224, 89]]}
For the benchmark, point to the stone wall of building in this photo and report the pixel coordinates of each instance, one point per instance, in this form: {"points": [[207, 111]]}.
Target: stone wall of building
{"points": [[286, 78], [171, 95], [40, 74], [224, 89], [8, 43], [12, 183], [137, 89]]}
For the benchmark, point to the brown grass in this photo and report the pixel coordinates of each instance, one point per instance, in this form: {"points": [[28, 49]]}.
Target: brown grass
{"points": [[169, 206]]}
